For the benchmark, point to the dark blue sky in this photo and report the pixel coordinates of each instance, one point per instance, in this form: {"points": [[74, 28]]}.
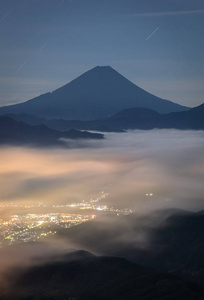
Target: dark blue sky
{"points": [[47, 43]]}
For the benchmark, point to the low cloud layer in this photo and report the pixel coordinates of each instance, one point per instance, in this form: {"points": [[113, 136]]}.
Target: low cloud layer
{"points": [[144, 171], [166, 163]]}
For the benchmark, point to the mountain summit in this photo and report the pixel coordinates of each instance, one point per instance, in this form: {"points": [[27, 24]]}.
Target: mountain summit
{"points": [[98, 93]]}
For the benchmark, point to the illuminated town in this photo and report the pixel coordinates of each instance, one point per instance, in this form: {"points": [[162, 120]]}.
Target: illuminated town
{"points": [[27, 226], [32, 227]]}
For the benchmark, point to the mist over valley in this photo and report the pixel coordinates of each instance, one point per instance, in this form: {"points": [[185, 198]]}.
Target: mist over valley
{"points": [[101, 150]]}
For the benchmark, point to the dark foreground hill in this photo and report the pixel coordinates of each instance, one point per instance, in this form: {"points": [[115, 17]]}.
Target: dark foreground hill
{"points": [[18, 133], [167, 241], [83, 276], [134, 118], [96, 94]]}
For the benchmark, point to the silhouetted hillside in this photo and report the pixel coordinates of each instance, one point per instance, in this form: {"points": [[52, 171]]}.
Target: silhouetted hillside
{"points": [[168, 241], [17, 132], [84, 276], [178, 246], [134, 118], [192, 119], [141, 118]]}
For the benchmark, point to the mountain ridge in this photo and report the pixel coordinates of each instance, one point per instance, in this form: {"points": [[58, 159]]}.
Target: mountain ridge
{"points": [[14, 132], [134, 118], [92, 277]]}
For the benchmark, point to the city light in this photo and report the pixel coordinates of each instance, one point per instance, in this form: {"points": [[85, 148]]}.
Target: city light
{"points": [[30, 227]]}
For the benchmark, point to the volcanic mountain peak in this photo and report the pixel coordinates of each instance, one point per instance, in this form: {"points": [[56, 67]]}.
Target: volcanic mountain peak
{"points": [[98, 77], [96, 94]]}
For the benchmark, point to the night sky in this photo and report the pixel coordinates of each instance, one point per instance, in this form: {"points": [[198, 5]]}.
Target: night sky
{"points": [[157, 44]]}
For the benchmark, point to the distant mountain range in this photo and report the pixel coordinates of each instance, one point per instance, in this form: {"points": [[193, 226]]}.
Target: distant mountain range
{"points": [[100, 100], [96, 94], [141, 118], [134, 118], [14, 132]]}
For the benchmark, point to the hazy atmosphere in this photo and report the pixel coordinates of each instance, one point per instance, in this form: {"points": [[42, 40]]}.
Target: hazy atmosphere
{"points": [[141, 171], [101, 150], [165, 163]]}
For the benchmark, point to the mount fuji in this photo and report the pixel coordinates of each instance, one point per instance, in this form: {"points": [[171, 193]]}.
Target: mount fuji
{"points": [[96, 94]]}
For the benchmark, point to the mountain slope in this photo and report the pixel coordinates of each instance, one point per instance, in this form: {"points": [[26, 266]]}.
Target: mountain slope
{"points": [[192, 119], [173, 240], [134, 118], [141, 118], [90, 277], [19, 133], [98, 93]]}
